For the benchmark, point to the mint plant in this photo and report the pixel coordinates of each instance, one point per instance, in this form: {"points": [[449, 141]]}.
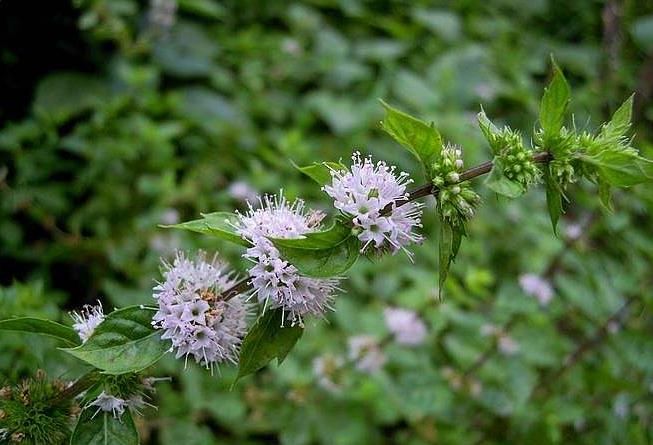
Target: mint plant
{"points": [[201, 308]]}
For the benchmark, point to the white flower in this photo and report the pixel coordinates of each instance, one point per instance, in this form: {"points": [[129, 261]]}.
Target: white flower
{"points": [[87, 320], [574, 231], [537, 287], [366, 353], [276, 282], [326, 369], [406, 326], [364, 192], [192, 315], [109, 404]]}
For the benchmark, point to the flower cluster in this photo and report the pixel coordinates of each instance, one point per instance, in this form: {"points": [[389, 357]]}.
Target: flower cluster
{"points": [[406, 326], [276, 282], [327, 369], [369, 194], [537, 287], [87, 320], [33, 411], [505, 343], [193, 315], [456, 200], [366, 353], [124, 391]]}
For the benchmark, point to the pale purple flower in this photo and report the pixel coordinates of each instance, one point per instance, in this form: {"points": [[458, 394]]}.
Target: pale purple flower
{"points": [[406, 326], [326, 369], [242, 191], [109, 404], [162, 14], [507, 345], [621, 406], [488, 329], [170, 217], [366, 353], [537, 287], [193, 317], [276, 282], [87, 320], [363, 192]]}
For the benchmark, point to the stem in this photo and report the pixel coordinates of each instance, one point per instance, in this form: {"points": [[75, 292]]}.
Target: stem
{"points": [[81, 385], [238, 288], [583, 348], [541, 157]]}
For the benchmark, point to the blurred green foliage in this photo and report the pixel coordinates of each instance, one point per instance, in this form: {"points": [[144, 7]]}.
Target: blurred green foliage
{"points": [[169, 118]]}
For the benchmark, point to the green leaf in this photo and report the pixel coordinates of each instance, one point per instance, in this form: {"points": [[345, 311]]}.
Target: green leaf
{"points": [[62, 96], [605, 195], [124, 342], [41, 326], [553, 200], [554, 104], [501, 184], [266, 341], [320, 172], [218, 224], [487, 128], [320, 262], [620, 122], [449, 244], [101, 428], [421, 139], [621, 168], [326, 239]]}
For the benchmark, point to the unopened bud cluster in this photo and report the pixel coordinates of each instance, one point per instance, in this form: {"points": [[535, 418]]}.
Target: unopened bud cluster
{"points": [[517, 161], [561, 167], [31, 413], [456, 200]]}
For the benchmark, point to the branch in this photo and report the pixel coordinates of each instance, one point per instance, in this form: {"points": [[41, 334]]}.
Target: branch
{"points": [[541, 157], [238, 288], [81, 385]]}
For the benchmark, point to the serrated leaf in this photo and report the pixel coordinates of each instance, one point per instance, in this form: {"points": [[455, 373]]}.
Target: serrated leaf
{"points": [[101, 428], [448, 246], [605, 195], [553, 200], [620, 121], [325, 239], [554, 104], [320, 172], [41, 326], [621, 168], [499, 183], [321, 263], [266, 341], [487, 128], [420, 138], [124, 342], [217, 224]]}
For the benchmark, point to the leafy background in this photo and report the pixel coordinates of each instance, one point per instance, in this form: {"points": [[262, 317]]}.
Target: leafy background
{"points": [[113, 124]]}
